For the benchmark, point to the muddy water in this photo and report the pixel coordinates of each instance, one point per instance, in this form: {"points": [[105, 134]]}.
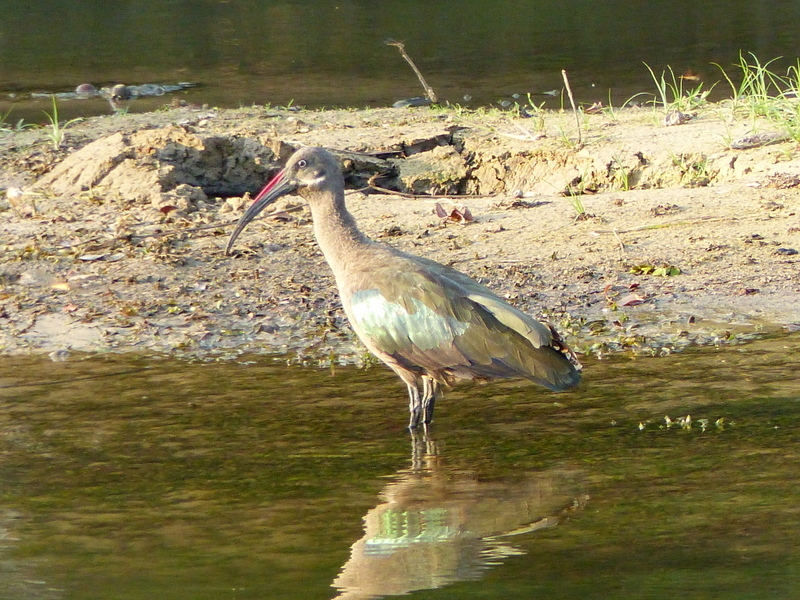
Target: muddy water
{"points": [[317, 53], [134, 478]]}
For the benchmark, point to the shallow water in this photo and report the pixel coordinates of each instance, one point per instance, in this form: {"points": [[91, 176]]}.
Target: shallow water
{"points": [[135, 477], [317, 53]]}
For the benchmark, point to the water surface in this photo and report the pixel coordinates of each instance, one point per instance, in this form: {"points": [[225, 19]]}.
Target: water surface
{"points": [[134, 477], [317, 53]]}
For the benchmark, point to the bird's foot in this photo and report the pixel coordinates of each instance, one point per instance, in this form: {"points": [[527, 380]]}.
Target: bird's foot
{"points": [[427, 410]]}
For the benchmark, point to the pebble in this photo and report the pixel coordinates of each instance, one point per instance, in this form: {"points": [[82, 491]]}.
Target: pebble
{"points": [[59, 355]]}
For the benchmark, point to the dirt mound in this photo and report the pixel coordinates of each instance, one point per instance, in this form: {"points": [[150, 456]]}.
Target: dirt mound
{"points": [[161, 166]]}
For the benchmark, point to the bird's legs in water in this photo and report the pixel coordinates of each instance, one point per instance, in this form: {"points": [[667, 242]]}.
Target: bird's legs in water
{"points": [[414, 406], [431, 391], [421, 405]]}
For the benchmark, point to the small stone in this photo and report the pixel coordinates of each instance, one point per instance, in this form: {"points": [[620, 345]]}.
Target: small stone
{"points": [[677, 117], [438, 171], [59, 355], [411, 102], [184, 198], [86, 89]]}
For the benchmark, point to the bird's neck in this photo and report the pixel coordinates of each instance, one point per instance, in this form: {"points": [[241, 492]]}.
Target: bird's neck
{"points": [[337, 234]]}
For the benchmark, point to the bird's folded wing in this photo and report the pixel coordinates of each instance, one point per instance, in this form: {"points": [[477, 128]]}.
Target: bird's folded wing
{"points": [[535, 332]]}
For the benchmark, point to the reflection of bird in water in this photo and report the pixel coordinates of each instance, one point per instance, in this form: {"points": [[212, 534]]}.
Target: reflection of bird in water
{"points": [[428, 322], [435, 526], [120, 98]]}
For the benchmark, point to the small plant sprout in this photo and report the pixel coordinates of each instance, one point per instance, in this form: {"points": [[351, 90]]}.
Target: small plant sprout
{"points": [[55, 131], [16, 127], [609, 110], [3, 117], [537, 112], [577, 204], [573, 191], [621, 175]]}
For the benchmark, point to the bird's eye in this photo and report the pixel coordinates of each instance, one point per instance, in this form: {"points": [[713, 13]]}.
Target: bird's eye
{"points": [[302, 164]]}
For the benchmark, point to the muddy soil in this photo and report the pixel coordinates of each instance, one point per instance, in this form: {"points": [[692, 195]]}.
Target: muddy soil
{"points": [[640, 238]]}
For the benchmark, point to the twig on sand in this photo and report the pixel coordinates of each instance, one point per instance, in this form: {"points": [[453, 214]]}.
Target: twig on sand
{"points": [[215, 226], [428, 89], [524, 134], [171, 232], [574, 108], [371, 185], [616, 232], [621, 245]]}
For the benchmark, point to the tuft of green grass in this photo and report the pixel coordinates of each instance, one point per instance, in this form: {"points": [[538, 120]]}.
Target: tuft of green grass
{"points": [[55, 131], [672, 94], [577, 205], [758, 89], [764, 93], [573, 191]]}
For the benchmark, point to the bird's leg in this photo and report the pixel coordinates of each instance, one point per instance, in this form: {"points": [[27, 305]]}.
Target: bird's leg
{"points": [[431, 390], [414, 405]]}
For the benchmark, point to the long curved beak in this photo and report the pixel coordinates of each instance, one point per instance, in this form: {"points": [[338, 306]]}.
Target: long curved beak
{"points": [[277, 187]]}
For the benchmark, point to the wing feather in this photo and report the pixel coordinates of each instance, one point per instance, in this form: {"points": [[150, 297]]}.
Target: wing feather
{"points": [[431, 317]]}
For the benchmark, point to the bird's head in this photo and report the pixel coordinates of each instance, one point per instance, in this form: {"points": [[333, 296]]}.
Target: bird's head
{"points": [[308, 171]]}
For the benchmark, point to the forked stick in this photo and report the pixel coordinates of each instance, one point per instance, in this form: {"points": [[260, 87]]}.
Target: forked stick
{"points": [[428, 89], [572, 102]]}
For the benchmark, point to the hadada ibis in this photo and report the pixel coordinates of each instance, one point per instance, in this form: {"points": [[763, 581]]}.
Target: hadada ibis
{"points": [[428, 322]]}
